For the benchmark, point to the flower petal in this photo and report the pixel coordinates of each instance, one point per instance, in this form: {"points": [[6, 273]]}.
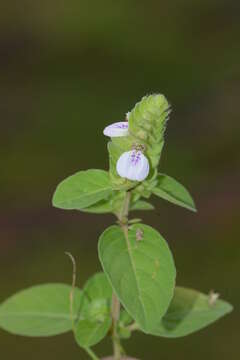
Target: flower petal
{"points": [[133, 165], [117, 129], [123, 164]]}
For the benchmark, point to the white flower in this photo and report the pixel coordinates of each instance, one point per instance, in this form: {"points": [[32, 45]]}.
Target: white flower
{"points": [[133, 165], [117, 129]]}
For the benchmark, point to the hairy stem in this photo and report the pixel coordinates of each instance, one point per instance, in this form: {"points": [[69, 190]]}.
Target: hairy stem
{"points": [[123, 220]]}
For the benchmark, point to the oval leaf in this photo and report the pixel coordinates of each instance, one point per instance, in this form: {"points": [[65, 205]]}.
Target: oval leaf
{"points": [[83, 189], [98, 287], [90, 332], [97, 295], [171, 190], [141, 271], [190, 311], [42, 310], [96, 322]]}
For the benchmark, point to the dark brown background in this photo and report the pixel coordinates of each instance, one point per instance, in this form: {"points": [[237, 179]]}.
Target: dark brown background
{"points": [[68, 69]]}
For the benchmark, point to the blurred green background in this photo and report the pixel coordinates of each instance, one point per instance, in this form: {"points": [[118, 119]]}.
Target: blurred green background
{"points": [[67, 70]]}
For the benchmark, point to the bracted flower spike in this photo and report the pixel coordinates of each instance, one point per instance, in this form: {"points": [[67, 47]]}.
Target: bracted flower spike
{"points": [[117, 129], [133, 165]]}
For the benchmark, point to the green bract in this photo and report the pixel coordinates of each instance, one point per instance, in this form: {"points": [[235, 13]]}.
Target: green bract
{"points": [[137, 289], [147, 124]]}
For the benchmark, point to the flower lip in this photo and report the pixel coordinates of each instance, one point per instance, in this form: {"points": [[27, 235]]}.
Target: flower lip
{"points": [[117, 129], [133, 165]]}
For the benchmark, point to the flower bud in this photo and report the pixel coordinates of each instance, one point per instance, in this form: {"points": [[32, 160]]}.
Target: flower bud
{"points": [[133, 165], [117, 129]]}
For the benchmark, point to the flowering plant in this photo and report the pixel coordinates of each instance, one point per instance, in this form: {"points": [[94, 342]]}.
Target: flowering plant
{"points": [[136, 290]]}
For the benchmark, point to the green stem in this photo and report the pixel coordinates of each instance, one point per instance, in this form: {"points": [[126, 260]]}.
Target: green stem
{"points": [[123, 220], [91, 354], [115, 337]]}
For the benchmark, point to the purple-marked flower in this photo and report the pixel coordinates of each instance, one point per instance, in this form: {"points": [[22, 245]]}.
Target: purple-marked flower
{"points": [[117, 129], [133, 165]]}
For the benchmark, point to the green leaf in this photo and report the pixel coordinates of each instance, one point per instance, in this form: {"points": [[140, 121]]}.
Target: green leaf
{"points": [[125, 318], [98, 287], [141, 272], [42, 310], [171, 190], [188, 312], [141, 205], [109, 205], [101, 207], [134, 221], [91, 332], [97, 295], [83, 189]]}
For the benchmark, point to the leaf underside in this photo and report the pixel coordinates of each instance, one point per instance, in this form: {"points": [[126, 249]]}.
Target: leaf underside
{"points": [[189, 312]]}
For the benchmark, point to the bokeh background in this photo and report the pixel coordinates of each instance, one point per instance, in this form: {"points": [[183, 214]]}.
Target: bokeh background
{"points": [[68, 69]]}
